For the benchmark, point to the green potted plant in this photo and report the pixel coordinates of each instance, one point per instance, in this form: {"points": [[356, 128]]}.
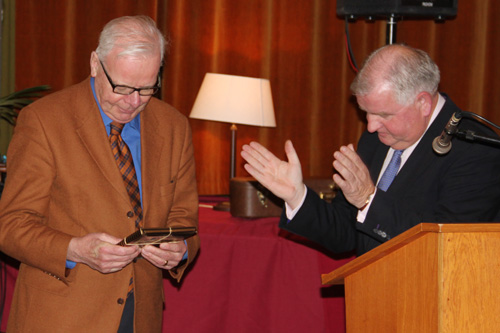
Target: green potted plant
{"points": [[11, 104]]}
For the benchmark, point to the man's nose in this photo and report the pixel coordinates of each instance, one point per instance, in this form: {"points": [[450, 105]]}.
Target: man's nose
{"points": [[373, 124], [134, 99]]}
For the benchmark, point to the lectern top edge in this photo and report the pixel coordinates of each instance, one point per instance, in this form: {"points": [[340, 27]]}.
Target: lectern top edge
{"points": [[337, 276]]}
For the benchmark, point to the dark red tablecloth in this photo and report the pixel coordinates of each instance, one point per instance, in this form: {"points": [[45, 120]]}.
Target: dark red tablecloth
{"points": [[252, 277], [248, 277]]}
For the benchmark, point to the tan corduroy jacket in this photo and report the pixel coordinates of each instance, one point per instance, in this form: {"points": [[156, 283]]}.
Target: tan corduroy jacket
{"points": [[63, 182]]}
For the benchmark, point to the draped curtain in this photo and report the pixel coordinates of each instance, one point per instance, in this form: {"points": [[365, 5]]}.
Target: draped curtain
{"points": [[7, 67], [298, 45]]}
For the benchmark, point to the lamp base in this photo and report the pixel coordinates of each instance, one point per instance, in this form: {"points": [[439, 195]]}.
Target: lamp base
{"points": [[224, 206]]}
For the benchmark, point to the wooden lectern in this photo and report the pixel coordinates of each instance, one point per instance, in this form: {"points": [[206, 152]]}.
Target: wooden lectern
{"points": [[431, 278]]}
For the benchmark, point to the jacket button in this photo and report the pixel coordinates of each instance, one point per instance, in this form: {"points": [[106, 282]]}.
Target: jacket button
{"points": [[120, 301], [130, 214]]}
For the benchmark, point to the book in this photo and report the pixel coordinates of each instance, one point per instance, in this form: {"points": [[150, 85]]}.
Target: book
{"points": [[145, 236]]}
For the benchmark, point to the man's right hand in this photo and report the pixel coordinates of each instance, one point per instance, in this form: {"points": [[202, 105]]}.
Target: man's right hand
{"points": [[283, 179], [100, 252]]}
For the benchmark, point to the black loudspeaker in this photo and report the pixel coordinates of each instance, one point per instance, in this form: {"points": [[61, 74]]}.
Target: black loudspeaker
{"points": [[373, 9]]}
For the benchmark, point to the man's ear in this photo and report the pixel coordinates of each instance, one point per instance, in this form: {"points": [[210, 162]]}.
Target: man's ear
{"points": [[94, 64], [423, 102]]}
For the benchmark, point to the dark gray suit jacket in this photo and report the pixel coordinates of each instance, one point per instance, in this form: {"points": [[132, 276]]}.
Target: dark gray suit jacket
{"points": [[461, 186]]}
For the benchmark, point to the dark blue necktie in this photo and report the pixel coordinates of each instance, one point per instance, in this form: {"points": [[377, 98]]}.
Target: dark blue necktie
{"points": [[391, 171]]}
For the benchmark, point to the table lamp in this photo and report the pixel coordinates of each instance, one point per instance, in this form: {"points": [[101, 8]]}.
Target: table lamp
{"points": [[237, 100]]}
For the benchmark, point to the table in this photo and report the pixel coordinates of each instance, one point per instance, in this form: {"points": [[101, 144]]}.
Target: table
{"points": [[249, 276]]}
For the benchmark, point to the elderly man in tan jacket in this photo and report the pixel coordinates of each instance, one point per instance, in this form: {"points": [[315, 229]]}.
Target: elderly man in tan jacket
{"points": [[65, 206]]}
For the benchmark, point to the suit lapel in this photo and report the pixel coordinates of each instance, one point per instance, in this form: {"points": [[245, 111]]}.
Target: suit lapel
{"points": [[152, 143], [93, 135], [378, 161]]}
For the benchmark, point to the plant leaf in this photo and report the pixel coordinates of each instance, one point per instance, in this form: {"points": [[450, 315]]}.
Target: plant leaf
{"points": [[10, 104]]}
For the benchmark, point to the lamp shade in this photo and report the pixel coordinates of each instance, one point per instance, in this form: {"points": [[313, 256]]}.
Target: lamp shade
{"points": [[235, 99]]}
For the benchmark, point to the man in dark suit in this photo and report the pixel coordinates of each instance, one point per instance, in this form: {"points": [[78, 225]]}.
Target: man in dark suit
{"points": [[397, 88], [65, 205]]}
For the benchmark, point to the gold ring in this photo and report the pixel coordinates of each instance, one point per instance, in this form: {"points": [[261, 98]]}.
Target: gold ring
{"points": [[166, 263]]}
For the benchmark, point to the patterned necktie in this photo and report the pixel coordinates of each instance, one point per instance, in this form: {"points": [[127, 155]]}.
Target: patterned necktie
{"points": [[123, 158], [391, 171]]}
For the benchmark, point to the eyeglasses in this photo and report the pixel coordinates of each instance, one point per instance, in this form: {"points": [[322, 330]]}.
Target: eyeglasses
{"points": [[126, 90]]}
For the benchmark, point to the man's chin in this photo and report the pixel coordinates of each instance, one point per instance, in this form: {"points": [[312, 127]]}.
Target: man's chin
{"points": [[385, 139], [125, 117], [394, 144]]}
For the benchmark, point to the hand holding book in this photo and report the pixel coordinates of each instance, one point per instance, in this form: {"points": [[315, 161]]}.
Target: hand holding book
{"points": [[148, 236]]}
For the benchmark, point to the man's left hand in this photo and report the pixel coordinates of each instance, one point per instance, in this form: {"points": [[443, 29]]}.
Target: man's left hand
{"points": [[166, 256], [353, 176]]}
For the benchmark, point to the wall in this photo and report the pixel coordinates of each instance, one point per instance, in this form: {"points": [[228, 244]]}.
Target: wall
{"points": [[298, 45]]}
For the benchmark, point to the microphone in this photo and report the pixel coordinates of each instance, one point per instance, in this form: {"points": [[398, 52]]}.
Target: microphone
{"points": [[442, 144]]}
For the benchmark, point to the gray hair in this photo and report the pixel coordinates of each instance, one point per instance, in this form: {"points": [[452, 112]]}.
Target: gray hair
{"points": [[406, 70], [134, 35]]}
